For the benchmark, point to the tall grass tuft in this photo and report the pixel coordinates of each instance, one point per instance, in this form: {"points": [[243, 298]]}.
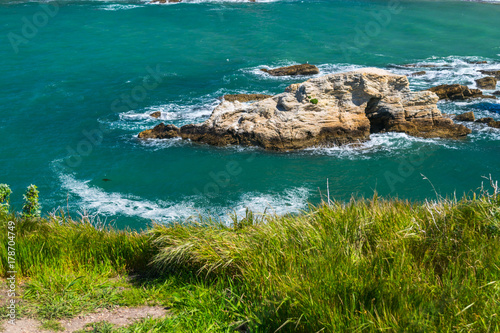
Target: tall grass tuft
{"points": [[365, 265], [59, 243]]}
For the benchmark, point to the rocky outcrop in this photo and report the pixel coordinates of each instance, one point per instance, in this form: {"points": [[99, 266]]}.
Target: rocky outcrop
{"points": [[488, 83], [156, 114], [420, 66], [245, 97], [328, 110], [160, 131], [489, 121], [165, 1], [418, 73], [455, 92], [467, 116], [304, 69], [491, 72]]}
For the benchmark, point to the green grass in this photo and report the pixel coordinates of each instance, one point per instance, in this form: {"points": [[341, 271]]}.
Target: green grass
{"points": [[51, 325], [363, 266]]}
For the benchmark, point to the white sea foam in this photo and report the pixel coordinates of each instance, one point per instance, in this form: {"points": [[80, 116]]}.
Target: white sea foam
{"points": [[448, 70], [291, 200], [211, 1], [117, 6], [387, 143], [197, 110], [96, 200]]}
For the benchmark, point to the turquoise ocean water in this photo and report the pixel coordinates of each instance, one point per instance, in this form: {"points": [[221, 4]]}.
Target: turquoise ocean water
{"points": [[79, 78]]}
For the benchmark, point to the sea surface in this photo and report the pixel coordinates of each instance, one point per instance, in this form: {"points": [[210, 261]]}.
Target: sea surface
{"points": [[78, 80]]}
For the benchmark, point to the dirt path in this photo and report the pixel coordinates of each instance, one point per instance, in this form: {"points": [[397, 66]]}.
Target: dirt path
{"points": [[121, 316]]}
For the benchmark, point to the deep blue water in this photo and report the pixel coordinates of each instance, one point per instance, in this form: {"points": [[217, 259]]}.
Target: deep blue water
{"points": [[79, 78]]}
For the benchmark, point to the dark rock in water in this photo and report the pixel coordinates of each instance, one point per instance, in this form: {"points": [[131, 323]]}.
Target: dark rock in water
{"points": [[488, 83], [347, 108], [477, 62], [245, 97], [493, 107], [494, 124], [106, 180], [165, 1], [485, 120], [304, 69], [160, 131], [455, 92], [467, 116], [176, 1], [496, 93], [419, 65], [156, 114], [489, 121], [491, 72], [418, 73]]}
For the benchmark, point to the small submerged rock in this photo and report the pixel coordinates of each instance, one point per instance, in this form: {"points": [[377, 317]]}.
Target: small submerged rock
{"points": [[418, 73], [176, 1], [488, 83], [165, 1], [156, 114], [245, 97], [304, 69], [420, 66], [323, 111]]}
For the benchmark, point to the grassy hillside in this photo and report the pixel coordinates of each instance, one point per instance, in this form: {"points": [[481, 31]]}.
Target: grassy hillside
{"points": [[367, 266]]}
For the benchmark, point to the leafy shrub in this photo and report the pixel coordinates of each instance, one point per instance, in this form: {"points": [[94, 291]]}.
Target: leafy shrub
{"points": [[314, 101], [5, 192], [31, 206]]}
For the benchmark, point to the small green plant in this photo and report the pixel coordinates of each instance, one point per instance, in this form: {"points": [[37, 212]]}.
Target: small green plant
{"points": [[314, 101], [52, 325], [5, 192], [31, 206]]}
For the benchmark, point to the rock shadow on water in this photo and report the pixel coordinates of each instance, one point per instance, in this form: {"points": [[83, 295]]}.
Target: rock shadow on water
{"points": [[487, 106]]}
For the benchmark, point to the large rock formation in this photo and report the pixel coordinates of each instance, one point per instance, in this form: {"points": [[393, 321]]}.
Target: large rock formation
{"points": [[323, 111], [304, 69]]}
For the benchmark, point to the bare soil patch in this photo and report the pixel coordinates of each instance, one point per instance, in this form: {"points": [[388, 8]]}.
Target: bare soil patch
{"points": [[120, 316]]}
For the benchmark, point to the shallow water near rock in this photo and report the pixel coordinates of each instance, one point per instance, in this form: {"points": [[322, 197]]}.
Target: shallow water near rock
{"points": [[75, 93]]}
